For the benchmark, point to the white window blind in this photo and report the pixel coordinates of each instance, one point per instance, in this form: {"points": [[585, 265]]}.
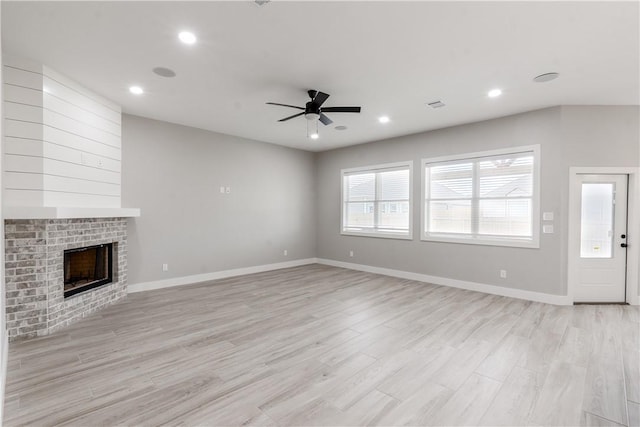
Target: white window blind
{"points": [[376, 200], [481, 197]]}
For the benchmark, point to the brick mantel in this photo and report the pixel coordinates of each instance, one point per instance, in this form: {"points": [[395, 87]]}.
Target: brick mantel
{"points": [[34, 271]]}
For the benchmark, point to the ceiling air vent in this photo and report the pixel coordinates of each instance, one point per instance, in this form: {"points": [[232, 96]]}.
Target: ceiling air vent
{"points": [[436, 104], [261, 2]]}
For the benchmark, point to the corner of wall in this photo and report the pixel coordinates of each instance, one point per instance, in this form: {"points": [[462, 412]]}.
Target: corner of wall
{"points": [[4, 343]]}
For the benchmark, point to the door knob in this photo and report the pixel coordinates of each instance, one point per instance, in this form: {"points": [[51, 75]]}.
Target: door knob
{"points": [[623, 245]]}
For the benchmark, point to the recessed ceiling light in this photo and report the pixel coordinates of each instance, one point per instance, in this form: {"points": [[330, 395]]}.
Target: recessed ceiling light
{"points": [[493, 93], [340, 127], [546, 77], [136, 90], [383, 119], [187, 38], [314, 136], [164, 72]]}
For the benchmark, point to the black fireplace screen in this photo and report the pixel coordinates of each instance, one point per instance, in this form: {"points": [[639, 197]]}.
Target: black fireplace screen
{"points": [[87, 268]]}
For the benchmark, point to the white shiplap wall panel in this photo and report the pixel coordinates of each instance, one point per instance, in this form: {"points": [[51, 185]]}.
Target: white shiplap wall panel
{"points": [[62, 153], [54, 75], [68, 109], [22, 197], [62, 142], [21, 63], [24, 147], [18, 129], [59, 121], [29, 181], [66, 139], [60, 199], [38, 198], [22, 78], [23, 112], [60, 91], [22, 95], [16, 163], [30, 147]]}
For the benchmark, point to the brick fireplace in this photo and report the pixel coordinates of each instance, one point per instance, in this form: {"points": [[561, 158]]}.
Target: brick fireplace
{"points": [[34, 271]]}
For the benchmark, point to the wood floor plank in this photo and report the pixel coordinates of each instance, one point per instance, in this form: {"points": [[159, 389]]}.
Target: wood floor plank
{"points": [[469, 403], [605, 392], [319, 345], [589, 419], [560, 401], [417, 409], [502, 359], [634, 413], [514, 402]]}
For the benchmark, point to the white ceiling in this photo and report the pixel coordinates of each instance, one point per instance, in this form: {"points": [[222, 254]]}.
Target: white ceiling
{"points": [[389, 57]]}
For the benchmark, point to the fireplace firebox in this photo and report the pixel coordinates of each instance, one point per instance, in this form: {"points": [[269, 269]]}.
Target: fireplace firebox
{"points": [[87, 268]]}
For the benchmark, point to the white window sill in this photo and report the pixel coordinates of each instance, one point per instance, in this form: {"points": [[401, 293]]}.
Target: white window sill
{"points": [[514, 243], [378, 235]]}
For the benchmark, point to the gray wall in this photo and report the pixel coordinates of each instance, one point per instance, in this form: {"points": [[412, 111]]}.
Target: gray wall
{"points": [[568, 136], [174, 174]]}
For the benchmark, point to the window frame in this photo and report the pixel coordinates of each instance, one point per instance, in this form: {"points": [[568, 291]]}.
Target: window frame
{"points": [[375, 169], [476, 239]]}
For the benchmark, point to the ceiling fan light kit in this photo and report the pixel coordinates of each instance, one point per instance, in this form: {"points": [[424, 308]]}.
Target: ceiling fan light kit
{"points": [[314, 112]]}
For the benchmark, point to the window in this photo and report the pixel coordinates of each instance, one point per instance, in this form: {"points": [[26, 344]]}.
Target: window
{"points": [[484, 198], [376, 201]]}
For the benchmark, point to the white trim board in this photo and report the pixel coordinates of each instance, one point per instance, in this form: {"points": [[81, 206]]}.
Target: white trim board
{"points": [[454, 283], [4, 357], [205, 277], [443, 281]]}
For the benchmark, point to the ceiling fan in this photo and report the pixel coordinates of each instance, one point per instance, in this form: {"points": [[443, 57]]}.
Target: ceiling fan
{"points": [[313, 109]]}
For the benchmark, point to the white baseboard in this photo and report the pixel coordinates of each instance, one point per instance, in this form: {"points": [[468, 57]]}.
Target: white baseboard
{"points": [[444, 281], [461, 284], [3, 368], [197, 278]]}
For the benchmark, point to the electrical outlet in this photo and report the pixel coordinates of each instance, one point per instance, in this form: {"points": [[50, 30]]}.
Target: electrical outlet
{"points": [[285, 252], [165, 267], [228, 190], [503, 274], [351, 254]]}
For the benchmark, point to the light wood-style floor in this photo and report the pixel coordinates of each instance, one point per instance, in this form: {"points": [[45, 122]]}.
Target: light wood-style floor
{"points": [[318, 345]]}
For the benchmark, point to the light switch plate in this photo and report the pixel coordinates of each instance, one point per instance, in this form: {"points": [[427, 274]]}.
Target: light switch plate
{"points": [[547, 216], [547, 229]]}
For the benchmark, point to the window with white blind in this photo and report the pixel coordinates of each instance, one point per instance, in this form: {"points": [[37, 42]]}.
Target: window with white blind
{"points": [[376, 200], [484, 198]]}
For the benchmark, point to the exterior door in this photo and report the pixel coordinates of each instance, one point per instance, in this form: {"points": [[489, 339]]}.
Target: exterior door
{"points": [[600, 239]]}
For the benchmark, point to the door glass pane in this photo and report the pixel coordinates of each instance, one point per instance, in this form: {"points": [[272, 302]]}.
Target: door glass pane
{"points": [[596, 230]]}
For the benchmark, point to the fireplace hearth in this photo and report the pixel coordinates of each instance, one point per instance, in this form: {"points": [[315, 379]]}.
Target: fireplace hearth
{"points": [[44, 291], [87, 268]]}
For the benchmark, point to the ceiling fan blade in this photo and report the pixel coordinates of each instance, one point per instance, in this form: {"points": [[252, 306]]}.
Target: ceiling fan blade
{"points": [[320, 98], [325, 120], [291, 117], [341, 110], [285, 105]]}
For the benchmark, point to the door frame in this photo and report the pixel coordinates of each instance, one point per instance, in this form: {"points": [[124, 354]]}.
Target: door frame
{"points": [[633, 226]]}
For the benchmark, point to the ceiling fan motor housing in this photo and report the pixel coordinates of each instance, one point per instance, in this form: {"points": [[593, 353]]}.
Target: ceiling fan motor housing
{"points": [[312, 111]]}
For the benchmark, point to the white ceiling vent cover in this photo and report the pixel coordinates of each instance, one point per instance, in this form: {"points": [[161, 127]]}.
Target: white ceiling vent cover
{"points": [[436, 104]]}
